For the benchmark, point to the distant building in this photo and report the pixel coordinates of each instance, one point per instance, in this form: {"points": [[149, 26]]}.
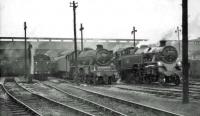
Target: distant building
{"points": [[193, 48]]}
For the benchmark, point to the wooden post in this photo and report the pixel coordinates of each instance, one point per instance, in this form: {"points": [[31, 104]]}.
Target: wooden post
{"points": [[81, 29], [25, 52], [74, 5], [185, 51], [133, 32]]}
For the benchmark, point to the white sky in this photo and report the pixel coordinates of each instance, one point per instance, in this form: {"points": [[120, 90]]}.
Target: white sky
{"points": [[101, 18]]}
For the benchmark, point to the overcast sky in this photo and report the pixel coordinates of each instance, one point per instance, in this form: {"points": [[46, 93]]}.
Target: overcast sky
{"points": [[154, 19]]}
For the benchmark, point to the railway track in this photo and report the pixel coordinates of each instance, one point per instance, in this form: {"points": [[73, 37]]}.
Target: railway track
{"points": [[166, 92], [73, 100], [10, 105], [41, 104], [129, 107]]}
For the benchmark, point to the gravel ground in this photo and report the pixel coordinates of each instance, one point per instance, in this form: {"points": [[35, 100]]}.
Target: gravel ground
{"points": [[190, 109], [54, 94], [4, 109], [106, 102], [60, 97], [43, 107]]}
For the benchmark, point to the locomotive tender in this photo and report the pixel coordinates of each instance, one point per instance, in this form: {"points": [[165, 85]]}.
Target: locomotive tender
{"points": [[148, 64]]}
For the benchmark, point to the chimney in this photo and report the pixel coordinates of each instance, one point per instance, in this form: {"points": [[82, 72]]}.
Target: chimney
{"points": [[99, 47], [162, 43], [144, 46]]}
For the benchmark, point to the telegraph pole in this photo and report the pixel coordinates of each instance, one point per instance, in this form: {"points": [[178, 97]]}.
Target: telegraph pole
{"points": [[133, 32], [185, 51], [25, 58], [74, 5], [179, 44], [81, 29]]}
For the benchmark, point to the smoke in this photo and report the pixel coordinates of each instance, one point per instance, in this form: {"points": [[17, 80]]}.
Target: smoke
{"points": [[35, 46], [148, 43], [194, 27], [11, 52], [168, 35]]}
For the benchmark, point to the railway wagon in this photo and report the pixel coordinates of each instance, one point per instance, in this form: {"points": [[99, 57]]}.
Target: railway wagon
{"points": [[92, 66], [42, 67], [148, 64]]}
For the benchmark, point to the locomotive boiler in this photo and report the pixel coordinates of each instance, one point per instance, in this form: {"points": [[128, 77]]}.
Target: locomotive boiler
{"points": [[148, 64], [94, 66]]}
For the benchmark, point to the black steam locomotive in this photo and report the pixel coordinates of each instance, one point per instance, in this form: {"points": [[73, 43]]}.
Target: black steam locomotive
{"points": [[148, 64], [42, 66], [92, 66]]}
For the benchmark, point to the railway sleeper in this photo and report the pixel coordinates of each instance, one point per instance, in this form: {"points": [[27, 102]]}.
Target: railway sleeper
{"points": [[18, 111], [17, 108], [86, 108]]}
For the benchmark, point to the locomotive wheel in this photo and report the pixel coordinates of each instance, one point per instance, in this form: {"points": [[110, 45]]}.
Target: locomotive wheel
{"points": [[110, 80], [147, 80], [129, 78], [177, 81], [100, 80], [162, 79]]}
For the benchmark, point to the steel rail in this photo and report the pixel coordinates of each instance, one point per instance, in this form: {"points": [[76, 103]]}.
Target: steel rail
{"points": [[113, 112], [81, 112], [131, 103], [20, 102]]}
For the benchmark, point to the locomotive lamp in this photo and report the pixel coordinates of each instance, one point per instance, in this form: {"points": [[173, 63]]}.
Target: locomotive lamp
{"points": [[94, 68], [98, 74], [178, 65], [159, 63]]}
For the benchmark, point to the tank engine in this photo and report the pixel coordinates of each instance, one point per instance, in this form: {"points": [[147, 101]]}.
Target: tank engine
{"points": [[148, 64], [94, 66]]}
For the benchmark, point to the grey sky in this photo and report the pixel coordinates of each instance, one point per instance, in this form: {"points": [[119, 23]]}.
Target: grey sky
{"points": [[101, 18]]}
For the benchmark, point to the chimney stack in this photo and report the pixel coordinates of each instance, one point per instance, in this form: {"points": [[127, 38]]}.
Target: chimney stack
{"points": [[99, 47], [162, 43]]}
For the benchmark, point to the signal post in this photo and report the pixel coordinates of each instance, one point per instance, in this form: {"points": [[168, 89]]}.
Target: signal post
{"points": [[133, 32], [75, 5]]}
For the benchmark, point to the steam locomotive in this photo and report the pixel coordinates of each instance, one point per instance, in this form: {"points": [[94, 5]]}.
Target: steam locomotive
{"points": [[92, 66], [14, 66], [42, 66], [148, 64]]}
